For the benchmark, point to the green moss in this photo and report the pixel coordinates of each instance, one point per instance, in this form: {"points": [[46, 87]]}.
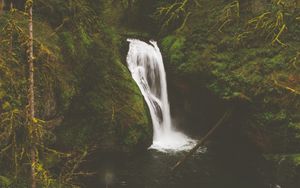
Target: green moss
{"points": [[5, 182], [108, 112], [296, 159], [172, 46], [68, 42]]}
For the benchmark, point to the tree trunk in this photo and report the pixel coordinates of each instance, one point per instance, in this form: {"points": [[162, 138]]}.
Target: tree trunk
{"points": [[31, 111], [11, 36], [202, 140], [298, 3], [2, 4]]}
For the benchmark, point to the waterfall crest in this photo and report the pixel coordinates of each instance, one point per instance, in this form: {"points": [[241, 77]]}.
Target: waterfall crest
{"points": [[147, 69]]}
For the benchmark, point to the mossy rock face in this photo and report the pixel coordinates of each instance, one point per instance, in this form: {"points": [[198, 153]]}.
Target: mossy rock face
{"points": [[133, 124], [109, 111]]}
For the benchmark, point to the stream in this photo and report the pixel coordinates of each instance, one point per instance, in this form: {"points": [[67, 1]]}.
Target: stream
{"points": [[152, 169]]}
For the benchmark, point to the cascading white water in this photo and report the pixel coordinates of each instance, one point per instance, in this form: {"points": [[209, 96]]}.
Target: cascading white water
{"points": [[146, 66]]}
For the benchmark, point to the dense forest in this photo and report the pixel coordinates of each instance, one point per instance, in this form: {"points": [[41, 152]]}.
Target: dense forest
{"points": [[67, 97]]}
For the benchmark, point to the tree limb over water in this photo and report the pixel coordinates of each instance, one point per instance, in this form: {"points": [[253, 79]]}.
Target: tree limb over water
{"points": [[202, 140]]}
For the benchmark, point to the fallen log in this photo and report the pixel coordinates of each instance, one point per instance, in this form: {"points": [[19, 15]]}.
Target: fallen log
{"points": [[202, 140]]}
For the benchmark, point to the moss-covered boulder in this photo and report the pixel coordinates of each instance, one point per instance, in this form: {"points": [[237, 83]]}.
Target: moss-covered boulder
{"points": [[109, 111]]}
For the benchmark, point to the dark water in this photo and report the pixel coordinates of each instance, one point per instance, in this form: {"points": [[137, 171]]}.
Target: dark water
{"points": [[152, 169]]}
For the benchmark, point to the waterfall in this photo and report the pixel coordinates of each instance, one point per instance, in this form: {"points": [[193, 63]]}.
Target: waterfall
{"points": [[147, 69]]}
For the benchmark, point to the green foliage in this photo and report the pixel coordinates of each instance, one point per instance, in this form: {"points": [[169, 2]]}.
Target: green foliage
{"points": [[173, 13], [243, 56], [68, 42], [5, 182], [172, 46]]}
